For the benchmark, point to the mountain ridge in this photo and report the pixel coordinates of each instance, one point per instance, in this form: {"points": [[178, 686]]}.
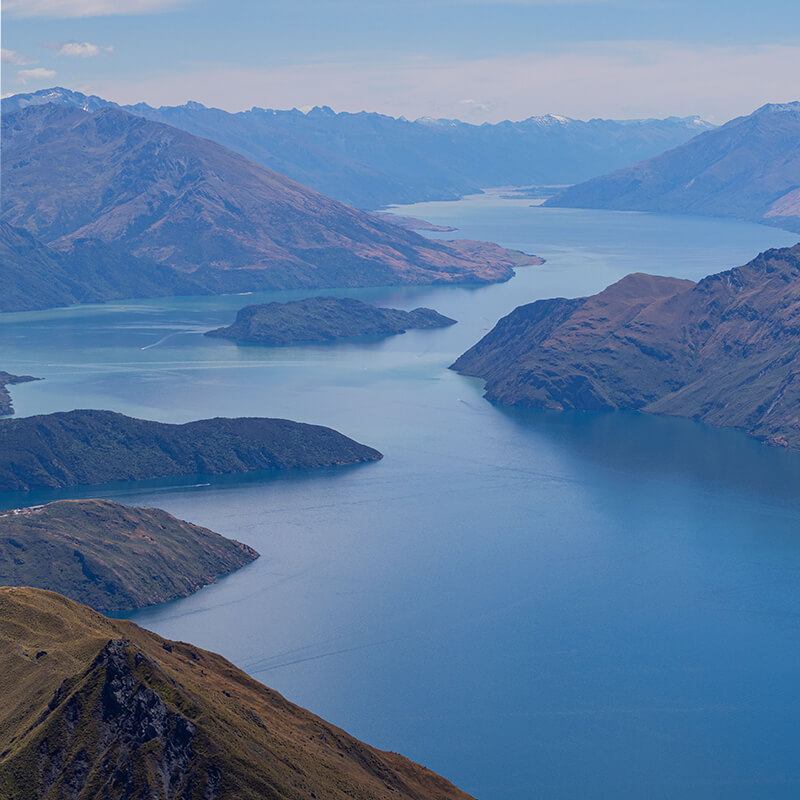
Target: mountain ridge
{"points": [[96, 707], [721, 351], [748, 169], [160, 194], [371, 160]]}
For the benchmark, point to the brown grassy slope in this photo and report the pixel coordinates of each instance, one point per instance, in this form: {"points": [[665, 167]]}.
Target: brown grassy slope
{"points": [[110, 556], [725, 351], [189, 203], [101, 708]]}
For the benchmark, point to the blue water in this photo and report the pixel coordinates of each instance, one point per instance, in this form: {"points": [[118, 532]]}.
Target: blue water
{"points": [[533, 604]]}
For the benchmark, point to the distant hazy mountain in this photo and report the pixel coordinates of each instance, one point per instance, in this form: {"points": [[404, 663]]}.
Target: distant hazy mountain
{"points": [[723, 351], [168, 198], [748, 169], [371, 160]]}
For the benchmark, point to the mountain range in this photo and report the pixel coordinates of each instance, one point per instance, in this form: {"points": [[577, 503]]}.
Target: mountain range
{"points": [[166, 197], [748, 169], [101, 708], [370, 160], [722, 351]]}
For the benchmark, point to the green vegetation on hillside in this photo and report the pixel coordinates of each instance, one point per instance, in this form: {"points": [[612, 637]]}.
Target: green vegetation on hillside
{"points": [[110, 556], [74, 448]]}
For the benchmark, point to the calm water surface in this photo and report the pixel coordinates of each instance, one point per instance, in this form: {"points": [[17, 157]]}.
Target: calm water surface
{"points": [[533, 604]]}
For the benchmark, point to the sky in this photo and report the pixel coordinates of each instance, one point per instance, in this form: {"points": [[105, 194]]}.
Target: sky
{"points": [[476, 60]]}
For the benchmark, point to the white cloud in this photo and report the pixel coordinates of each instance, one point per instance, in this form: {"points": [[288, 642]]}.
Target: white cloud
{"points": [[82, 49], [13, 57], [35, 74], [607, 79], [86, 8]]}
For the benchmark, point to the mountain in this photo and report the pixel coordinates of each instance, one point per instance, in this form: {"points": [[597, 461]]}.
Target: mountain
{"points": [[36, 276], [168, 197], [100, 708], [723, 351], [747, 169], [324, 319], [7, 379], [110, 556], [371, 160], [76, 448]]}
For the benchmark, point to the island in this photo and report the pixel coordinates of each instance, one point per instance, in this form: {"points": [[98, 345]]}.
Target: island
{"points": [[723, 351], [324, 319], [95, 707], [110, 556], [88, 447], [7, 379]]}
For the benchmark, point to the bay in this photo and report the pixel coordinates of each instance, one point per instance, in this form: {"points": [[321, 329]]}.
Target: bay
{"points": [[533, 604]]}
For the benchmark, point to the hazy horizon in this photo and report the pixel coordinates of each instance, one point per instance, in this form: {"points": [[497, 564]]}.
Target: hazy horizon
{"points": [[478, 61]]}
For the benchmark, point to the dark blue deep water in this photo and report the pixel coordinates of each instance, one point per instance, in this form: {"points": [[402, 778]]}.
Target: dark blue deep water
{"points": [[534, 604]]}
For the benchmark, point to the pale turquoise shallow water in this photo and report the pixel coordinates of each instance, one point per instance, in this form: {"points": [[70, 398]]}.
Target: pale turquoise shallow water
{"points": [[534, 604]]}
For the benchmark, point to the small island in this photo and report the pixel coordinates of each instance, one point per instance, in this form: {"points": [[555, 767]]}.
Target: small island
{"points": [[7, 379], [110, 556], [87, 447], [324, 319]]}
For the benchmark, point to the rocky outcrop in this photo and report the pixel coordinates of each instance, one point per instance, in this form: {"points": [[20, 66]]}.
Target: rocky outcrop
{"points": [[324, 319], [87, 447], [725, 351], [100, 708]]}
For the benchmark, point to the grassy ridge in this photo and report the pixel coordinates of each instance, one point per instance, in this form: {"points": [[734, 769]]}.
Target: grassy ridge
{"points": [[101, 708]]}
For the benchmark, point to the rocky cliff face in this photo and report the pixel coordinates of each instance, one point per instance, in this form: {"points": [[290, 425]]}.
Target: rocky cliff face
{"points": [[748, 169], [100, 708], [323, 319], [725, 351]]}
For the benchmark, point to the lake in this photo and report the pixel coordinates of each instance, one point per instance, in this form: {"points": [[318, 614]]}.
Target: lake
{"points": [[533, 604]]}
